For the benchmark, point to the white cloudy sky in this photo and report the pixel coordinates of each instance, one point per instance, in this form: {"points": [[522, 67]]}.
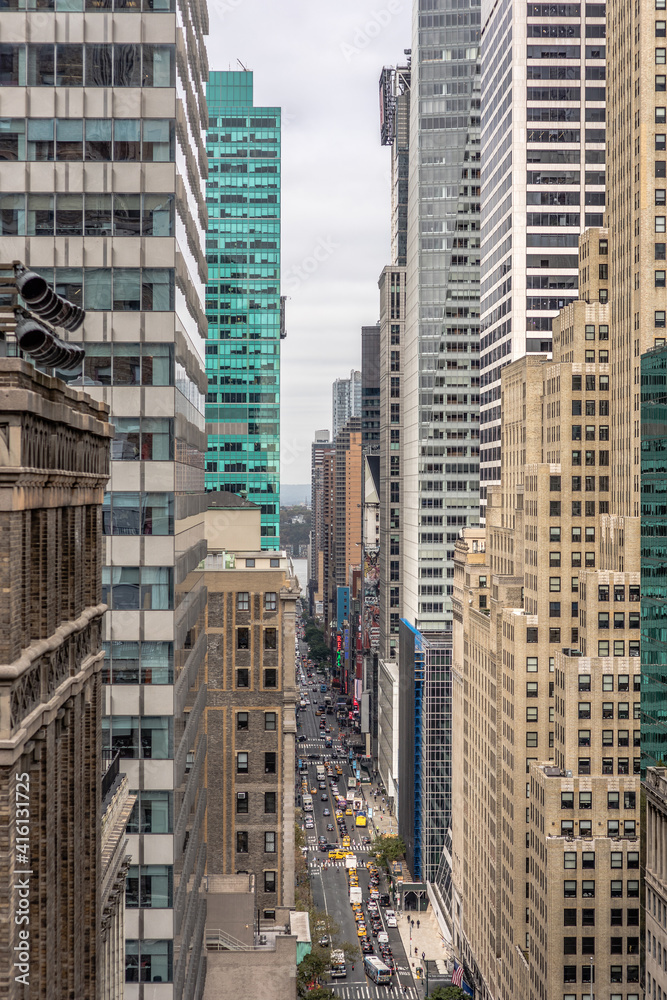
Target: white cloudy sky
{"points": [[320, 61]]}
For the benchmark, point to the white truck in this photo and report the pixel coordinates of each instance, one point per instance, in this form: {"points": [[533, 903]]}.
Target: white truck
{"points": [[355, 894], [351, 861]]}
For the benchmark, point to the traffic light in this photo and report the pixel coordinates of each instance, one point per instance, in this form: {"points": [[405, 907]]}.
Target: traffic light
{"points": [[34, 337], [44, 347], [44, 301]]}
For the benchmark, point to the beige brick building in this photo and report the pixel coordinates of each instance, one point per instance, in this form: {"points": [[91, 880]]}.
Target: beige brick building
{"points": [[250, 711], [547, 684], [54, 463]]}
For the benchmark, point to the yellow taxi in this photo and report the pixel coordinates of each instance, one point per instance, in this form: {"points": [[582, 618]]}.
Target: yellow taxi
{"points": [[361, 930], [319, 712], [357, 907], [354, 881], [359, 917], [339, 813], [349, 811], [346, 841], [339, 770], [336, 855]]}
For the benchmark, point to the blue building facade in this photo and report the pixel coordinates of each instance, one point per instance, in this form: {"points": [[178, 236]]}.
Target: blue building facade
{"points": [[243, 303]]}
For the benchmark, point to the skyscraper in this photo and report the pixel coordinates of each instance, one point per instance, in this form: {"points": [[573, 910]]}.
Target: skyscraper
{"points": [[345, 400], [102, 191], [370, 389], [438, 464], [318, 448], [542, 181], [243, 303]]}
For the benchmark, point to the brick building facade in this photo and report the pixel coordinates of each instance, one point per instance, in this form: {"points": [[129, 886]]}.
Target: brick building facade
{"points": [[54, 463]]}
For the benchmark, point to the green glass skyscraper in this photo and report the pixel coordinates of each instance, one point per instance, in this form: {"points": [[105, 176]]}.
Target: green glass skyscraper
{"points": [[243, 303]]}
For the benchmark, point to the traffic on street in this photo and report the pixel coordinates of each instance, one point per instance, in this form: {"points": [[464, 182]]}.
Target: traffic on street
{"points": [[345, 881]]}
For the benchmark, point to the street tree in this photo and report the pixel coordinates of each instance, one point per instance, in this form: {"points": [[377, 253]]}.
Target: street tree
{"points": [[388, 848]]}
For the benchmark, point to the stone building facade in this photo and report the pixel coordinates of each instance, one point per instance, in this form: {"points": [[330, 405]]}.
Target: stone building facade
{"points": [[251, 721], [54, 464], [547, 680]]}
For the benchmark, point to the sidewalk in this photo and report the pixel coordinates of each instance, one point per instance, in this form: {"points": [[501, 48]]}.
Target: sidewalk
{"points": [[426, 938]]}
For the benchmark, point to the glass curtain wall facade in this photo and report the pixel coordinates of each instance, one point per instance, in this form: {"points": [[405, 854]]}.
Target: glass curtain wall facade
{"points": [[102, 160], [653, 558], [440, 387], [243, 297], [543, 182]]}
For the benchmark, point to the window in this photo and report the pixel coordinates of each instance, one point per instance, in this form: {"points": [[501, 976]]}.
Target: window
{"points": [[138, 514], [633, 889], [569, 976], [152, 812], [241, 802], [554, 583], [269, 802], [242, 763], [270, 879], [243, 638], [270, 762], [554, 558], [585, 684], [570, 888], [531, 634], [241, 721], [144, 662], [243, 601], [554, 534], [531, 739], [269, 842], [241, 842], [570, 859], [531, 664], [134, 588], [270, 721], [270, 601], [584, 737], [242, 677], [588, 888], [149, 961], [587, 857], [569, 918], [531, 689], [531, 715], [569, 946], [149, 886], [143, 438], [554, 635], [146, 737], [567, 800], [271, 678]]}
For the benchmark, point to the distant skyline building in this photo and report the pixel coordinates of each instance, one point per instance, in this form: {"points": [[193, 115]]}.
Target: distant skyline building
{"points": [[542, 182], [370, 389], [345, 400], [243, 303]]}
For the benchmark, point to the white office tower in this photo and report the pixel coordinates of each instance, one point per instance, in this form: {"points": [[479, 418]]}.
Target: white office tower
{"points": [[102, 161], [543, 181]]}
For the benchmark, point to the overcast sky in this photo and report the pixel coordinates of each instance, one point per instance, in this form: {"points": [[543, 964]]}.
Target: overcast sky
{"points": [[320, 62]]}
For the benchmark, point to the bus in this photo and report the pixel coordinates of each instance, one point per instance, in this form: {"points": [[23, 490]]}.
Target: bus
{"points": [[361, 819], [308, 803], [338, 969], [376, 970]]}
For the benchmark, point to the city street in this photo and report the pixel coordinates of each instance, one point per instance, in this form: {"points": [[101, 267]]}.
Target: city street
{"points": [[328, 878]]}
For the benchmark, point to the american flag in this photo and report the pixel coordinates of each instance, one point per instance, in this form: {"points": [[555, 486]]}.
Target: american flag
{"points": [[457, 974]]}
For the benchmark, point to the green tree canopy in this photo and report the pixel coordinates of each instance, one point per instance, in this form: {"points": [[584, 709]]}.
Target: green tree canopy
{"points": [[447, 993], [389, 848]]}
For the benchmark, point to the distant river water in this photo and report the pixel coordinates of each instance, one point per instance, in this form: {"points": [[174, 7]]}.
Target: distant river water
{"points": [[301, 570]]}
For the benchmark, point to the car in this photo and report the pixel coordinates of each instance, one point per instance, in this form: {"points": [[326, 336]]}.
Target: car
{"points": [[390, 917], [372, 906], [326, 812], [359, 916], [309, 824], [336, 855], [313, 790], [313, 756], [322, 786], [384, 899], [349, 811], [356, 907], [325, 941], [324, 797], [367, 946], [302, 739], [323, 847], [361, 930], [328, 743], [330, 827]]}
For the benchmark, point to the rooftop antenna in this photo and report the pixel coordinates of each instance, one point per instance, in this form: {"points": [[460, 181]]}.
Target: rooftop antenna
{"points": [[244, 68]]}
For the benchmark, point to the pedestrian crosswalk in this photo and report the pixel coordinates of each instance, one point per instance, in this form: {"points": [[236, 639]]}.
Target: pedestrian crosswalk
{"points": [[369, 991]]}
